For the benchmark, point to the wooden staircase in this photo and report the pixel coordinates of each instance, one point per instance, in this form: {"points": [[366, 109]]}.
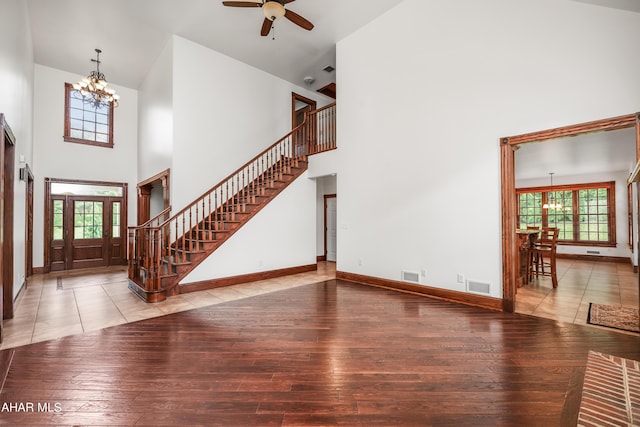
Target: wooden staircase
{"points": [[162, 252]]}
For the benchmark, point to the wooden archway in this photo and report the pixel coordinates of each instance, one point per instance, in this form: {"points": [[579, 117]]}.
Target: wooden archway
{"points": [[508, 146]]}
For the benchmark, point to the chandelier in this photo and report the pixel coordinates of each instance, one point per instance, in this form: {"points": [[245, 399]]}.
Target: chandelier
{"points": [[552, 205], [94, 88]]}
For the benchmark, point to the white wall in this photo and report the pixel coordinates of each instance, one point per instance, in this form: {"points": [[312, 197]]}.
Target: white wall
{"points": [[225, 113], [16, 87], [281, 235], [155, 113], [425, 93], [622, 209], [55, 158]]}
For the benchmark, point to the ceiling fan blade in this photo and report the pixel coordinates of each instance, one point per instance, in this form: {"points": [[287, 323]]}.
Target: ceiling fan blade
{"points": [[298, 20], [242, 3], [288, 1], [266, 27]]}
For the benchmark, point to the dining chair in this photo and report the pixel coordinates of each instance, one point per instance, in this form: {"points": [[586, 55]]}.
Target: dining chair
{"points": [[543, 255]]}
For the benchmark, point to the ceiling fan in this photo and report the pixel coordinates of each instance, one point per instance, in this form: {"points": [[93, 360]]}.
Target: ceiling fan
{"points": [[272, 9]]}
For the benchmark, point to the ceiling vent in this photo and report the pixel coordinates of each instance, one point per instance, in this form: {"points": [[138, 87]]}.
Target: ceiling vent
{"points": [[328, 68]]}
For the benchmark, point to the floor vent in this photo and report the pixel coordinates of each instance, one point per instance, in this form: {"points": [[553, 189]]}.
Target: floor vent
{"points": [[410, 276], [479, 287]]}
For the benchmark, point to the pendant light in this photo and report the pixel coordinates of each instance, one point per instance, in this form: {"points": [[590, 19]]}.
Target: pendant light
{"points": [[552, 205]]}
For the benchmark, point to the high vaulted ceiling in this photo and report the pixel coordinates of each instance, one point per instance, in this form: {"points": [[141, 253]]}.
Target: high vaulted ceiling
{"points": [[132, 33]]}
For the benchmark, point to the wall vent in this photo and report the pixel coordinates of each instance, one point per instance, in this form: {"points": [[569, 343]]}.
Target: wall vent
{"points": [[594, 252], [410, 276], [478, 287]]}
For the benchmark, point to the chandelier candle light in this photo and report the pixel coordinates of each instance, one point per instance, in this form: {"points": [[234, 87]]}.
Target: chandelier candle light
{"points": [[94, 88]]}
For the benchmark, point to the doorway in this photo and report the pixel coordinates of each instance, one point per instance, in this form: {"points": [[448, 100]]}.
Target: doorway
{"points": [[508, 146], [300, 106], [85, 224], [7, 160], [153, 196]]}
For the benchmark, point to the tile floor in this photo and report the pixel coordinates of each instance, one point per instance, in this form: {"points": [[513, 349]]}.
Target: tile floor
{"points": [[579, 283], [66, 303]]}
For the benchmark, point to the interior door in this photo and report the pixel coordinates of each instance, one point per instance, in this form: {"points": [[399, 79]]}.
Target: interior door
{"points": [[330, 230]]}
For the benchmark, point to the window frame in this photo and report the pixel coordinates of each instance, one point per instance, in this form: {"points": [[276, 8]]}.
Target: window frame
{"points": [[575, 189], [68, 87]]}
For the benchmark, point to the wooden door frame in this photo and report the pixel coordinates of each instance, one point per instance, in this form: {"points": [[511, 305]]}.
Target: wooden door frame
{"points": [[7, 160], [144, 194], [48, 210], [296, 97], [326, 196], [27, 176], [508, 146]]}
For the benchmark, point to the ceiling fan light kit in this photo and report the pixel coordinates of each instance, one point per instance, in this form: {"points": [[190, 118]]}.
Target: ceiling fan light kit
{"points": [[273, 10]]}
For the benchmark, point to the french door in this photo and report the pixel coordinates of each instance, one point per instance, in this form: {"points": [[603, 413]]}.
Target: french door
{"points": [[87, 232], [85, 225]]}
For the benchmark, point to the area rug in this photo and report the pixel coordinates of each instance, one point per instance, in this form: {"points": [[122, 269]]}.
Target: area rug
{"points": [[611, 392], [624, 318]]}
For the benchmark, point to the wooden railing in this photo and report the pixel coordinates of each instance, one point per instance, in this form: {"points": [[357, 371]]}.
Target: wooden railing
{"points": [[322, 126], [157, 248]]}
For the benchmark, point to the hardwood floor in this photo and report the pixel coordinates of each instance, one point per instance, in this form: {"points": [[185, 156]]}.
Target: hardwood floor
{"points": [[329, 353]]}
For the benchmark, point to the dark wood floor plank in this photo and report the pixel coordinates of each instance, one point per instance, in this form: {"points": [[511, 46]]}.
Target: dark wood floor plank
{"points": [[332, 353]]}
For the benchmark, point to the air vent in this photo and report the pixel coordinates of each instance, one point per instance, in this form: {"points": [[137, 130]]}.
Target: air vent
{"points": [[478, 287], [328, 68], [594, 252], [410, 276]]}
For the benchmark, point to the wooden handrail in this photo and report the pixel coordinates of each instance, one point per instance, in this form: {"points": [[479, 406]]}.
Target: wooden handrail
{"points": [[230, 176], [155, 218]]}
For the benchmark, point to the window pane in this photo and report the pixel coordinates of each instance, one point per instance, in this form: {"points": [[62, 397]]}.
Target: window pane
{"points": [[84, 121], [586, 222], [85, 189], [58, 220], [87, 220], [115, 221]]}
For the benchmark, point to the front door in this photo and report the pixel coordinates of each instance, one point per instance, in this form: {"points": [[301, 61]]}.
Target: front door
{"points": [[87, 232]]}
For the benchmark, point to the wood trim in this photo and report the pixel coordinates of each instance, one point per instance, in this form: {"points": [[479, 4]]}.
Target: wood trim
{"points": [[510, 267], [8, 148], [508, 195], [597, 258], [321, 258], [613, 123], [143, 194], [67, 123], [296, 97], [39, 270], [244, 278], [427, 291]]}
